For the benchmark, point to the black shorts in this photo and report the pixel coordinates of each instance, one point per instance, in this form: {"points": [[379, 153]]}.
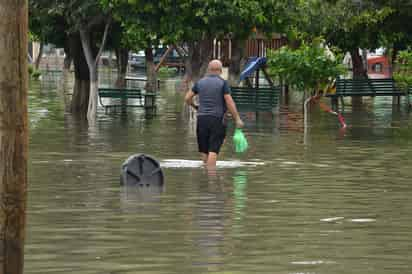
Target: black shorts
{"points": [[211, 133]]}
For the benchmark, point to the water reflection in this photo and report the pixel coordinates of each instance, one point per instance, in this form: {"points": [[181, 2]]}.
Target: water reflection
{"points": [[136, 198], [209, 221]]}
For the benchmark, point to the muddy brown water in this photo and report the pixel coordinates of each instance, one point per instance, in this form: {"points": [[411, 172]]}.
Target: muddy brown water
{"points": [[324, 201]]}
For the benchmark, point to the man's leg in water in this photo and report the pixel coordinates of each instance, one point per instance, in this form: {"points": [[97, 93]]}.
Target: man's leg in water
{"points": [[204, 157], [212, 159]]}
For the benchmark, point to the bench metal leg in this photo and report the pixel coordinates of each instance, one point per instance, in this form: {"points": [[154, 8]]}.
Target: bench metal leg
{"points": [[335, 103], [396, 100]]}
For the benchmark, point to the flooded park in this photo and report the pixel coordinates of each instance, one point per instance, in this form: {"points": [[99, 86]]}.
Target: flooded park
{"points": [[332, 201], [203, 136]]}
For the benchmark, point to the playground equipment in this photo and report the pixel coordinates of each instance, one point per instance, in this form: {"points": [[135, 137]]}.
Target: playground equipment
{"points": [[252, 97]]}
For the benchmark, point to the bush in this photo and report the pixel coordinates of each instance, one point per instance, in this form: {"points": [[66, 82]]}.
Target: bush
{"points": [[403, 69], [307, 68]]}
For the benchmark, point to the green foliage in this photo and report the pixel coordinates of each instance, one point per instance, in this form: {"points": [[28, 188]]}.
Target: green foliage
{"points": [[403, 71], [46, 22], [54, 21], [396, 29], [150, 22], [165, 72], [33, 72], [308, 68], [348, 25]]}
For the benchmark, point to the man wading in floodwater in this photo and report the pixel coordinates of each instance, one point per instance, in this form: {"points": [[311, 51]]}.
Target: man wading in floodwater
{"points": [[214, 100]]}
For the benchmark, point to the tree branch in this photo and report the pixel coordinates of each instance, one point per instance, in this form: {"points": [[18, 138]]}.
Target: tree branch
{"points": [[105, 34]]}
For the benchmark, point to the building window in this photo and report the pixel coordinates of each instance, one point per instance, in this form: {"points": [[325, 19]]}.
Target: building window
{"points": [[378, 67]]}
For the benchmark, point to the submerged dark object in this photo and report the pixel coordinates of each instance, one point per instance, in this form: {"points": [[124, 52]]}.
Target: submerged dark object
{"points": [[141, 170]]}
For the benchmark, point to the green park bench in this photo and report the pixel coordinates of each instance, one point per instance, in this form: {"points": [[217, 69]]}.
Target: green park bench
{"points": [[121, 97], [256, 99], [366, 87]]}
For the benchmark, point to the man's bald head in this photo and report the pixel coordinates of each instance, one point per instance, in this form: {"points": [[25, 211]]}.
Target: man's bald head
{"points": [[215, 67]]}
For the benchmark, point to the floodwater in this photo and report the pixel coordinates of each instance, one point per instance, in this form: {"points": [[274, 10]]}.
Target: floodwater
{"points": [[298, 202]]}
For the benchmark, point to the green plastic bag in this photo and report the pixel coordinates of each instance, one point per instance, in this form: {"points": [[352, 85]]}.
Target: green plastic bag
{"points": [[239, 140]]}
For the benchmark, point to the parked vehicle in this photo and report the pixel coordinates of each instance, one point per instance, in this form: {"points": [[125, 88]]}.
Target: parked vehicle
{"points": [[173, 59], [137, 60]]}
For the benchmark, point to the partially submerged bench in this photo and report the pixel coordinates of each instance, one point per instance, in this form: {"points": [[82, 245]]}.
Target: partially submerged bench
{"points": [[120, 97], [366, 87], [256, 99]]}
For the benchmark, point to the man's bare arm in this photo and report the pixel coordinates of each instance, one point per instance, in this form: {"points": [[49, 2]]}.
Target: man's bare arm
{"points": [[231, 106], [189, 99]]}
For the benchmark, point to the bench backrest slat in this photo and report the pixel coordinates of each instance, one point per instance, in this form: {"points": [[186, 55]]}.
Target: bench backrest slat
{"points": [[366, 86], [256, 99]]}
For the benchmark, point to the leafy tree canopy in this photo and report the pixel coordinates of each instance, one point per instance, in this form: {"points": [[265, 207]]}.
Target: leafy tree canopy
{"points": [[308, 68]]}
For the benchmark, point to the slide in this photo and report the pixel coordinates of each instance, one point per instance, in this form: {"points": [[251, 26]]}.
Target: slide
{"points": [[253, 64]]}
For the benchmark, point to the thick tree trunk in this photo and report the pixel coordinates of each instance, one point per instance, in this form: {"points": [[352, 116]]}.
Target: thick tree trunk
{"points": [[192, 63], [92, 62], [200, 53], [151, 84], [237, 61], [206, 54], [81, 89], [188, 68], [94, 86], [122, 58], [39, 56], [359, 72], [13, 133]]}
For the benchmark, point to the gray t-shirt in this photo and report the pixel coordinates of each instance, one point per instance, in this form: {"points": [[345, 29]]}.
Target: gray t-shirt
{"points": [[211, 90]]}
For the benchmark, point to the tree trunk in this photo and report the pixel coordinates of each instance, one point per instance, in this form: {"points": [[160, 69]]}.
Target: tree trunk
{"points": [[392, 60], [200, 53], [358, 67], [66, 68], [187, 79], [13, 133], [151, 83], [39, 56], [81, 89], [206, 54], [122, 58], [359, 72], [92, 62], [237, 61], [66, 71], [94, 87], [192, 66]]}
